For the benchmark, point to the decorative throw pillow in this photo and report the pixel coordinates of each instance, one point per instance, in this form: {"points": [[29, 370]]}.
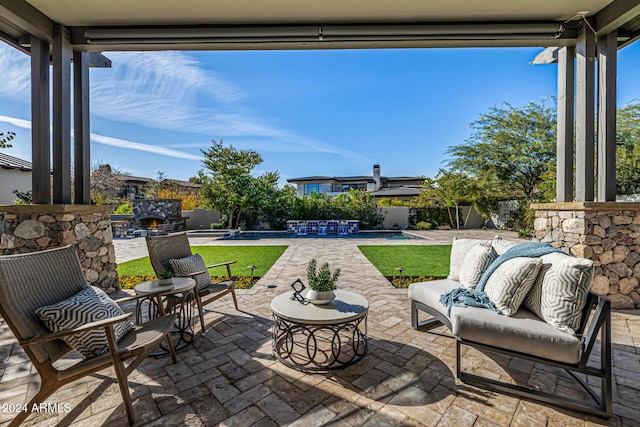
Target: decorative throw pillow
{"points": [[508, 286], [475, 263], [186, 267], [89, 305], [560, 290], [501, 245], [459, 249]]}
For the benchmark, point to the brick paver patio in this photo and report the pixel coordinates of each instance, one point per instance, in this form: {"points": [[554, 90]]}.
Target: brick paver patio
{"points": [[229, 377]]}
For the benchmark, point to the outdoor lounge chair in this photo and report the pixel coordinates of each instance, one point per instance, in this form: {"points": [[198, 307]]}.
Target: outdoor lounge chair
{"points": [[34, 280], [163, 249]]}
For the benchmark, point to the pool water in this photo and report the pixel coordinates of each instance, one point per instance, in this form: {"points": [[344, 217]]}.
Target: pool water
{"points": [[257, 235]]}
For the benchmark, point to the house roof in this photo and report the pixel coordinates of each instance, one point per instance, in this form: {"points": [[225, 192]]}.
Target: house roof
{"points": [[367, 178], [130, 178], [397, 192], [10, 162]]}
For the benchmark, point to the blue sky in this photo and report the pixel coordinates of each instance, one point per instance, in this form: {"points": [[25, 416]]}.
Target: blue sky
{"points": [[305, 112]]}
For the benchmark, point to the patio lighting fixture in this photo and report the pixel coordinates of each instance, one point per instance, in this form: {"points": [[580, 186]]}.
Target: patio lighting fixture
{"points": [[401, 270], [251, 267]]}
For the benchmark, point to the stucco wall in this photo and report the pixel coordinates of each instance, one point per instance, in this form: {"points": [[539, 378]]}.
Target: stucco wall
{"points": [[200, 218], [13, 179], [395, 215]]}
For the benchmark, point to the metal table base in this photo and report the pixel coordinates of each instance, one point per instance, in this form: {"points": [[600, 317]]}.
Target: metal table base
{"points": [[319, 348]]}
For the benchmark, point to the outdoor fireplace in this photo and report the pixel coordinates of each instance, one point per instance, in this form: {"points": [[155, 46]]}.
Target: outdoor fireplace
{"points": [[150, 222], [152, 213]]}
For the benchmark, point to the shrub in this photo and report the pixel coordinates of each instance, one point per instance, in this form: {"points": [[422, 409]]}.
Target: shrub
{"points": [[423, 225], [444, 227], [125, 208]]}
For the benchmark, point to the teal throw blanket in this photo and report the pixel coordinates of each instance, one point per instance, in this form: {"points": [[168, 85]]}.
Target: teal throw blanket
{"points": [[461, 297]]}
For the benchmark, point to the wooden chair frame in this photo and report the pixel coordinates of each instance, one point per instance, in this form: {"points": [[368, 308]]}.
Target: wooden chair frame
{"points": [[44, 348], [164, 248]]}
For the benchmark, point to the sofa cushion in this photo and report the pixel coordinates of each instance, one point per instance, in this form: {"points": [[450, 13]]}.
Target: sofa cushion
{"points": [[475, 263], [459, 249], [510, 283], [560, 290], [524, 332], [501, 245]]}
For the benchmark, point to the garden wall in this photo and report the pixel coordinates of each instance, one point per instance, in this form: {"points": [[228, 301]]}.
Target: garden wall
{"points": [[395, 217], [31, 228], [608, 234]]}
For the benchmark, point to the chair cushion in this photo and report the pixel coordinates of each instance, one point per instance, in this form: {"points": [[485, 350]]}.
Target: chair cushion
{"points": [[510, 283], [560, 291], [524, 332], [459, 249], [186, 267], [475, 263], [88, 305], [428, 293], [501, 245]]}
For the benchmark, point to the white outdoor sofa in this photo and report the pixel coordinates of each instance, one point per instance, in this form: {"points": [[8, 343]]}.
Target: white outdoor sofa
{"points": [[525, 335]]}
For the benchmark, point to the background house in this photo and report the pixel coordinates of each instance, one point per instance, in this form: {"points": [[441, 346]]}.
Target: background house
{"points": [[401, 187], [15, 174]]}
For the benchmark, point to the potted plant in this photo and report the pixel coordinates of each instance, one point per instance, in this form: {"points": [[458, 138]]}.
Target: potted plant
{"points": [[164, 278], [322, 283]]}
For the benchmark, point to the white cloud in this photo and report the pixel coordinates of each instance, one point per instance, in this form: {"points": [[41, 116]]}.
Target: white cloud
{"points": [[121, 143], [15, 70], [24, 124], [170, 91], [115, 142]]}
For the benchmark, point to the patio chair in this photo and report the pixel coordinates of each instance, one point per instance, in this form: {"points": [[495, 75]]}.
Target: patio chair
{"points": [[163, 249], [34, 280]]}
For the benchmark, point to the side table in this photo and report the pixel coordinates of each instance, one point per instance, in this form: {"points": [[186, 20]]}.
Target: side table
{"points": [[179, 292], [320, 337]]}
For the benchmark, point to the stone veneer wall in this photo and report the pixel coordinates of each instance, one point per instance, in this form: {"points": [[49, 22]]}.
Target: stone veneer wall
{"points": [[31, 228], [170, 210], [608, 234]]}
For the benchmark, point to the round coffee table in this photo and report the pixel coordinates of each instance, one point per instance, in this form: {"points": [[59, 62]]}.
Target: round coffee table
{"points": [[320, 337], [178, 297]]}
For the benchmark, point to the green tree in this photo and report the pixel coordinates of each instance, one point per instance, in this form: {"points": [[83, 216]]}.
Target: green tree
{"points": [[4, 139], [513, 148], [449, 190], [228, 186], [628, 149], [105, 183]]}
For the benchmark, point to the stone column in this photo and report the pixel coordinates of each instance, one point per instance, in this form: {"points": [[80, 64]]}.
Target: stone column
{"points": [[31, 228], [607, 233]]}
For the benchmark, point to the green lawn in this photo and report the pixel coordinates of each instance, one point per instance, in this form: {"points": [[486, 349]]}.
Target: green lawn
{"points": [[430, 261], [262, 257]]}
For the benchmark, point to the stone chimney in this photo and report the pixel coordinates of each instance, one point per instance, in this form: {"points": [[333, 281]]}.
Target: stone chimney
{"points": [[376, 176]]}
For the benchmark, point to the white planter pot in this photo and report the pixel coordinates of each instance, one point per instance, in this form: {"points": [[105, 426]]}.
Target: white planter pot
{"points": [[165, 282], [316, 297]]}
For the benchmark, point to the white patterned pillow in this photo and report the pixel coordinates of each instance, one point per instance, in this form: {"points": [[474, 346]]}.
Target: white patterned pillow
{"points": [[89, 305], [560, 290], [501, 245], [475, 263], [186, 267], [510, 283], [459, 249]]}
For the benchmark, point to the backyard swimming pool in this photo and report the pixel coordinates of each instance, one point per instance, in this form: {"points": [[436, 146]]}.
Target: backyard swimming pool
{"points": [[257, 235]]}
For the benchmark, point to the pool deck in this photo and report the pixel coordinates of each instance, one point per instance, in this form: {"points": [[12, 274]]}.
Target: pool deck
{"points": [[230, 377]]}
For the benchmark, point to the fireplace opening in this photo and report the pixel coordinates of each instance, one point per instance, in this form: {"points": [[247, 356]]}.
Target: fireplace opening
{"points": [[150, 222]]}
